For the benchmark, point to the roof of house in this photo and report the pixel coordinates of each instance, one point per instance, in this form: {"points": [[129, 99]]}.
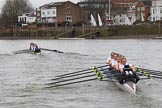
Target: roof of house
{"points": [[122, 1], [53, 4], [32, 14], [147, 3]]}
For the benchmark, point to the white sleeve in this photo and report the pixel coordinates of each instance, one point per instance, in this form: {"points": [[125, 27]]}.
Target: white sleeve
{"points": [[114, 62], [108, 59]]}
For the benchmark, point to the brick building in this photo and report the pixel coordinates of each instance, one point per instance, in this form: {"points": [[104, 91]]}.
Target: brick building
{"points": [[94, 7], [143, 9], [58, 14], [123, 3]]}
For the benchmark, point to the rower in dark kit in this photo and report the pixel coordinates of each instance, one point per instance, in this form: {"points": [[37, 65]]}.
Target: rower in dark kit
{"points": [[34, 47], [127, 72]]}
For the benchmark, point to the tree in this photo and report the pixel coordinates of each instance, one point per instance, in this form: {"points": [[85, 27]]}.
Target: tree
{"points": [[12, 9]]}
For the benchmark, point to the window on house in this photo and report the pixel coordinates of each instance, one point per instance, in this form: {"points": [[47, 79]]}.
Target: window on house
{"points": [[143, 14], [161, 10], [53, 12], [138, 9], [68, 5], [153, 19], [138, 15], [69, 18], [153, 11], [43, 13], [68, 12], [48, 12], [38, 14], [142, 8]]}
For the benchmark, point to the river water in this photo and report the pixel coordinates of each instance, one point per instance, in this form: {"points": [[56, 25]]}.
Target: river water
{"points": [[23, 75]]}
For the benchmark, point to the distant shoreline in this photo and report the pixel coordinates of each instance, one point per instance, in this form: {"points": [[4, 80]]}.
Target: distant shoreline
{"points": [[100, 37]]}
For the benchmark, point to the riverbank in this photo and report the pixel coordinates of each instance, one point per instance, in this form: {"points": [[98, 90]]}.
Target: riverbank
{"points": [[108, 37], [147, 31]]}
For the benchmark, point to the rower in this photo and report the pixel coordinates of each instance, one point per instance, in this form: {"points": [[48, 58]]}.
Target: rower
{"points": [[114, 61], [118, 63], [36, 49], [31, 46], [110, 59], [127, 70]]}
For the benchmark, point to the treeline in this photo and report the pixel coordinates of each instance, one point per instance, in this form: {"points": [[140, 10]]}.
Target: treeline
{"points": [[13, 8]]}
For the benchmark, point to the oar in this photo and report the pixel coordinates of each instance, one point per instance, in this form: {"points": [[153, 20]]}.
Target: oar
{"points": [[148, 70], [149, 75], [71, 79], [79, 71], [155, 76], [71, 75], [152, 72], [77, 74], [76, 78], [75, 82], [51, 50], [158, 74], [72, 83]]}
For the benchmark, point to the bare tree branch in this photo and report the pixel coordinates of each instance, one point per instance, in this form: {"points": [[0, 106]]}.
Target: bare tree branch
{"points": [[12, 8]]}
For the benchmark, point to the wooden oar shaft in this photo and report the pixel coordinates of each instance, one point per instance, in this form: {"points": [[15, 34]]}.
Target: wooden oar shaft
{"points": [[79, 71]]}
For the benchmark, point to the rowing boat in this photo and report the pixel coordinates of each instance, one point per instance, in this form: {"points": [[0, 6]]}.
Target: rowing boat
{"points": [[103, 73], [34, 48], [128, 85], [35, 52]]}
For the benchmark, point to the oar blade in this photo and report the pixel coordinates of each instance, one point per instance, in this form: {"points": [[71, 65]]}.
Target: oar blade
{"points": [[149, 73]]}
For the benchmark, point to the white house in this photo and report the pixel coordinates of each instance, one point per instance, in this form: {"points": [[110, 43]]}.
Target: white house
{"points": [[156, 10], [47, 13], [27, 18]]}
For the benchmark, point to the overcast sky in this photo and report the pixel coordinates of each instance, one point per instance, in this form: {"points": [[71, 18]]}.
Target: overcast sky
{"points": [[37, 3]]}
